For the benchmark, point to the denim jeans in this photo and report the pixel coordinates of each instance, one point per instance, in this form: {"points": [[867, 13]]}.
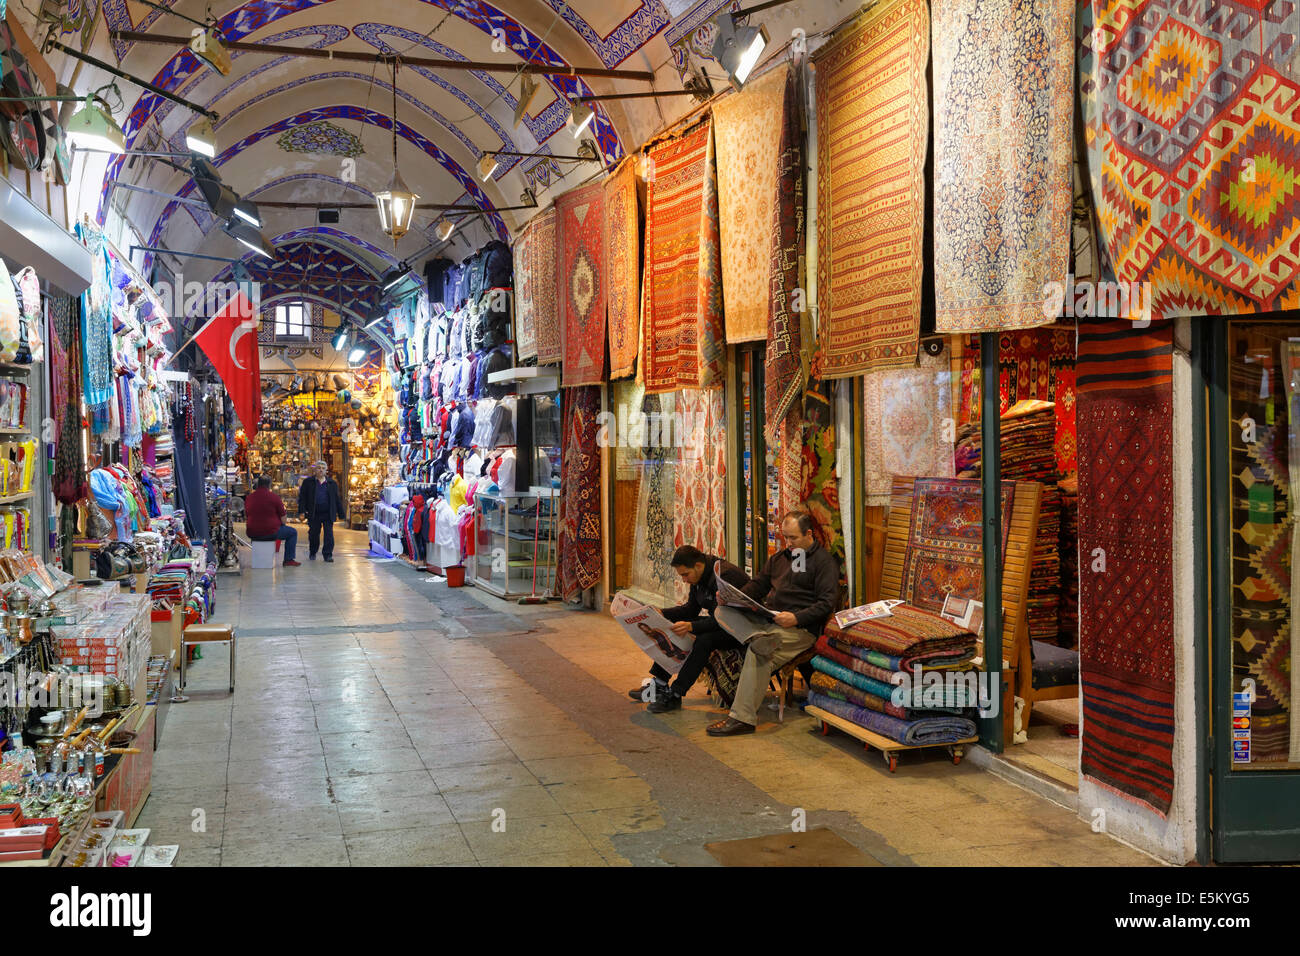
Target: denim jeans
{"points": [[289, 535]]}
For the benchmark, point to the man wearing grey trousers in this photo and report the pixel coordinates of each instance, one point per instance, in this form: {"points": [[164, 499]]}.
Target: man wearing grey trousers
{"points": [[801, 583]]}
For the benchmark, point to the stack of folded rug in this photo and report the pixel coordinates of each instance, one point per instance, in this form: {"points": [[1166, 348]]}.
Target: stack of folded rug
{"points": [[860, 674]]}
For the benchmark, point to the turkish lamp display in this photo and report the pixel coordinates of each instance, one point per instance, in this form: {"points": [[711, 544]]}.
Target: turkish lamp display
{"points": [[580, 117], [738, 48], [93, 128], [396, 207], [200, 138]]}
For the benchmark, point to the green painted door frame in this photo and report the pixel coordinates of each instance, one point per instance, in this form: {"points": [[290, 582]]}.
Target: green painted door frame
{"points": [[1255, 814]]}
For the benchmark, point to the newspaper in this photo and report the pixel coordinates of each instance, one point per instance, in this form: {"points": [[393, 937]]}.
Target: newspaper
{"points": [[866, 612], [731, 596], [652, 632]]}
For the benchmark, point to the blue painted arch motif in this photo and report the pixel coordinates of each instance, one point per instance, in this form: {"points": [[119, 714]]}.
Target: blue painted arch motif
{"points": [[258, 14]]}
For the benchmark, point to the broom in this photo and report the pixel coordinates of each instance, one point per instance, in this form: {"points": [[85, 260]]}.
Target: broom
{"points": [[534, 598]]}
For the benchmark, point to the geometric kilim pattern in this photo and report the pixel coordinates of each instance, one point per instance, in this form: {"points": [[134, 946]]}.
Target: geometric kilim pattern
{"points": [[1192, 119]]}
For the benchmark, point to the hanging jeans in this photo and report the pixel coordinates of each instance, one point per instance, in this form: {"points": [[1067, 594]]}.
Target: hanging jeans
{"points": [[314, 525]]}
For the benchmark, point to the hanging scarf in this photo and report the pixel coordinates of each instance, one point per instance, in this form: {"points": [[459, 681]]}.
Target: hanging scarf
{"points": [[69, 479], [97, 323]]}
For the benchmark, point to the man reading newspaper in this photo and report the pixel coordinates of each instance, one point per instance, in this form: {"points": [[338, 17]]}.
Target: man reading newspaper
{"points": [[781, 613], [695, 617]]}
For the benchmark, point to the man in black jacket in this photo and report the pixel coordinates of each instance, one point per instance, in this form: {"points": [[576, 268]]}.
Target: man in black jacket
{"points": [[802, 585], [320, 503], [694, 617]]}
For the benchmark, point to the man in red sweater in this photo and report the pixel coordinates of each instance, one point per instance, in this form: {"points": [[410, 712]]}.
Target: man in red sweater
{"points": [[264, 514]]}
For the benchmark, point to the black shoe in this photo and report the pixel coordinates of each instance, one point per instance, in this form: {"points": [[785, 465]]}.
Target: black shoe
{"points": [[729, 728], [329, 560], [642, 692], [665, 702]]}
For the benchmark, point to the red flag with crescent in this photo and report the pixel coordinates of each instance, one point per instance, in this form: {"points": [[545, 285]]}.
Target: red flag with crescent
{"points": [[230, 342]]}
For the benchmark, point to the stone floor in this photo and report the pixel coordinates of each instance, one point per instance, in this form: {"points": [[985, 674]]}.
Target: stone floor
{"points": [[383, 719]]}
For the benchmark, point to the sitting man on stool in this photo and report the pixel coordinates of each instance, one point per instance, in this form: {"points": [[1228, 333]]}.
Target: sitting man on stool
{"points": [[264, 520], [802, 584], [694, 617]]}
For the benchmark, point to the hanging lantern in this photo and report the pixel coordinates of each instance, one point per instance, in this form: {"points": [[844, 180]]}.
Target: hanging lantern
{"points": [[396, 203]]}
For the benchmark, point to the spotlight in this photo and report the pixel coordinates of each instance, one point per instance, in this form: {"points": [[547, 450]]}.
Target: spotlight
{"points": [[444, 230], [341, 337], [580, 117], [394, 277], [377, 315], [357, 355], [221, 199], [94, 128], [249, 237], [200, 138], [737, 48], [246, 210], [528, 90], [488, 165], [210, 50]]}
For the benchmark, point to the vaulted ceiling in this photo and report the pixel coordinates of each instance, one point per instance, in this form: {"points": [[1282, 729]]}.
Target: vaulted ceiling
{"points": [[316, 130]]}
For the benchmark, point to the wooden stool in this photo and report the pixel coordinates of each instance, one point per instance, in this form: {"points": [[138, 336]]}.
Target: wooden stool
{"points": [[208, 634]]}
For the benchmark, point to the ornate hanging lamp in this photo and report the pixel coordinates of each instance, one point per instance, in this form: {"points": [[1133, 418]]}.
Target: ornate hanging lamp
{"points": [[396, 202]]}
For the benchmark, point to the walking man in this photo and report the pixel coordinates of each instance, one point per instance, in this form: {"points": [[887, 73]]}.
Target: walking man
{"points": [[320, 503]]}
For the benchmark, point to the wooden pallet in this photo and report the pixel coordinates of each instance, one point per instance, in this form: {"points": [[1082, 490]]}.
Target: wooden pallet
{"points": [[890, 748]]}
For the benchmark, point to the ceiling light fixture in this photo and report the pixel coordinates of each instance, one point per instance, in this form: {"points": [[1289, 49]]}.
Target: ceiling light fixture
{"points": [[341, 337], [488, 165], [444, 230], [395, 276], [201, 138], [221, 199], [93, 128], [528, 91], [249, 237], [396, 203], [246, 210], [356, 355], [737, 47], [580, 117], [377, 315]]}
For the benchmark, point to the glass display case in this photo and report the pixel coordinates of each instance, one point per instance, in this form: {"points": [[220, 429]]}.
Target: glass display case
{"points": [[509, 530]]}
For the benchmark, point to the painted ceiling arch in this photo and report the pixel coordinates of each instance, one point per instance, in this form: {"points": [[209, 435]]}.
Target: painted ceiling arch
{"points": [[370, 117]]}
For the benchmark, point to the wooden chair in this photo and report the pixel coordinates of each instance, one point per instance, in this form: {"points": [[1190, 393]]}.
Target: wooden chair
{"points": [[1017, 564]]}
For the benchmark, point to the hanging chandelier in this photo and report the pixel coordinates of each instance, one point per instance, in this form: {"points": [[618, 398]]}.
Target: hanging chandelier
{"points": [[396, 202]]}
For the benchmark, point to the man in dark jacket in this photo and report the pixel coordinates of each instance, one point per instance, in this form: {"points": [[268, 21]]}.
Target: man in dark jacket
{"points": [[802, 585], [694, 617], [319, 501]]}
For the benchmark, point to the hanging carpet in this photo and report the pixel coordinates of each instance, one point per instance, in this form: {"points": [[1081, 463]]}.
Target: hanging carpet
{"points": [[1003, 144], [1193, 151], [623, 273], [525, 319], [1126, 613], [579, 538], [908, 425], [580, 283], [699, 518], [535, 299], [872, 122], [783, 362]]}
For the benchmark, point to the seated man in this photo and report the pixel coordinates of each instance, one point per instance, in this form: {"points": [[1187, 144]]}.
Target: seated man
{"points": [[694, 617], [802, 584], [264, 520]]}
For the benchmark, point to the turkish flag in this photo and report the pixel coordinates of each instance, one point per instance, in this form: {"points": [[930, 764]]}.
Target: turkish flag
{"points": [[230, 342]]}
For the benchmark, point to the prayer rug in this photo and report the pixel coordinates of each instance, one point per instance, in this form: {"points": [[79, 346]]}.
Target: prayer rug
{"points": [[525, 325], [872, 118], [745, 127], [623, 279], [1126, 645], [945, 552], [783, 363], [579, 538], [539, 308], [1193, 151], [652, 574], [909, 430], [683, 342], [1003, 148], [699, 518], [581, 281]]}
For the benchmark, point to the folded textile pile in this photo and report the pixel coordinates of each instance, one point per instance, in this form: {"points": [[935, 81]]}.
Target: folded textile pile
{"points": [[1028, 454], [910, 635], [927, 730]]}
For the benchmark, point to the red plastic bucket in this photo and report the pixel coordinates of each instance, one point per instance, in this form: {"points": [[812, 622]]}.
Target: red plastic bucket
{"points": [[455, 576]]}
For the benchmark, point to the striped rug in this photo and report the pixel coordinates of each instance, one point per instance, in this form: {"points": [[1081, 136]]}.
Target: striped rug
{"points": [[872, 121], [1126, 612]]}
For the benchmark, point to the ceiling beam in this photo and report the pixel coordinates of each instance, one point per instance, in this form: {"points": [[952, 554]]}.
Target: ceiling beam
{"points": [[442, 207], [357, 56]]}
